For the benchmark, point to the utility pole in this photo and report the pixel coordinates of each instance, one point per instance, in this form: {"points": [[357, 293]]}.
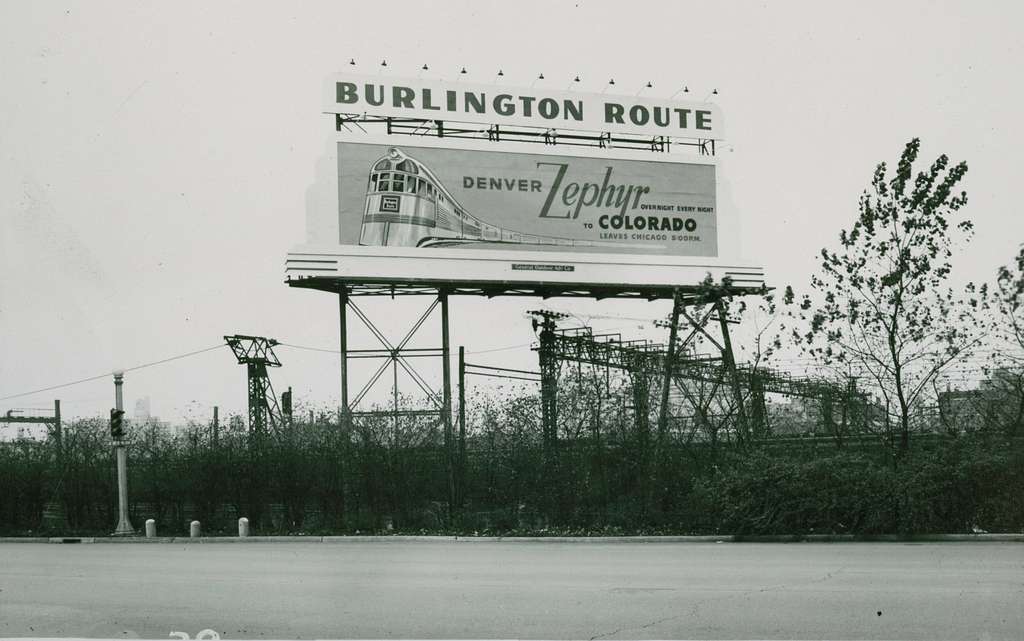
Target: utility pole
{"points": [[549, 370], [462, 426], [216, 424], [124, 526]]}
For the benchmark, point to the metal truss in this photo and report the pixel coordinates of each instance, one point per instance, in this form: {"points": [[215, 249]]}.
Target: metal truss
{"points": [[257, 354], [502, 133], [53, 423], [678, 367], [396, 356], [411, 287]]}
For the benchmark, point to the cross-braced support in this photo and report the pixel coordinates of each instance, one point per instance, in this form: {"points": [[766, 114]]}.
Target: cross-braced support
{"points": [[396, 356], [257, 354]]}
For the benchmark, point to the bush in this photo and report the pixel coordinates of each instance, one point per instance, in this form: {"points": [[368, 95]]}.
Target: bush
{"points": [[319, 479]]}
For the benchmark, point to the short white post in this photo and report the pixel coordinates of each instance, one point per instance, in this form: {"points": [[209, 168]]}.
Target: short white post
{"points": [[243, 527], [150, 528], [193, 529]]}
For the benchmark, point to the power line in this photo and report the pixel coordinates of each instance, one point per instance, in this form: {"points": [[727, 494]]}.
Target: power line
{"points": [[127, 369], [311, 349]]}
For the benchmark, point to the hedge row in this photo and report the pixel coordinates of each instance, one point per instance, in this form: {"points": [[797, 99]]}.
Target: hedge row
{"points": [[373, 479]]}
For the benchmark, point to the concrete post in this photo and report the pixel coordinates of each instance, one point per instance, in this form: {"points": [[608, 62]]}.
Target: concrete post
{"points": [[243, 527], [150, 528], [193, 530]]}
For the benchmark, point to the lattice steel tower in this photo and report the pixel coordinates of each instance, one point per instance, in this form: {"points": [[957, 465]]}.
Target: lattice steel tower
{"points": [[257, 354]]}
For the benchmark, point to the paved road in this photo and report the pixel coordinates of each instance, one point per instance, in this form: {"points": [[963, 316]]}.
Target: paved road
{"points": [[508, 590]]}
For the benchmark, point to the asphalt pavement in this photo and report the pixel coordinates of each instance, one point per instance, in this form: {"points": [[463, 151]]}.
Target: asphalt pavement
{"points": [[448, 589]]}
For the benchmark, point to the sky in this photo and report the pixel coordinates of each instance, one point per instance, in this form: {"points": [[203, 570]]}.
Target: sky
{"points": [[155, 159]]}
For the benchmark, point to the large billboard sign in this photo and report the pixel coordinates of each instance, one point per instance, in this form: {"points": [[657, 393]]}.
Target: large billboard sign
{"points": [[480, 213], [402, 193], [526, 107]]}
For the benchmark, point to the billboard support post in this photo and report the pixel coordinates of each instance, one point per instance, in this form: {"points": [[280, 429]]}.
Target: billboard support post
{"points": [[343, 328], [396, 356], [666, 384], [461, 493], [669, 362], [446, 409], [730, 364]]}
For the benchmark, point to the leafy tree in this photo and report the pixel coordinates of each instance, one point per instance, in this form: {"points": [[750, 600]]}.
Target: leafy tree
{"points": [[881, 304], [1006, 372]]}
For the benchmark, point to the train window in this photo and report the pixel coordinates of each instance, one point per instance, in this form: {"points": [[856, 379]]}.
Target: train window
{"points": [[410, 185], [384, 186], [383, 164], [373, 182]]}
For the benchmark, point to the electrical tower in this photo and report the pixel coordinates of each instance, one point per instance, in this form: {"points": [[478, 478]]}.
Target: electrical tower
{"points": [[257, 354], [544, 320]]}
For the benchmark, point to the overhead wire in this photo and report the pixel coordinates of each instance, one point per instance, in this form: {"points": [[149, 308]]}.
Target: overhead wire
{"points": [[106, 374]]}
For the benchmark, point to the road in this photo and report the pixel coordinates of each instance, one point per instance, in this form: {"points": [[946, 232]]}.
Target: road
{"points": [[515, 590]]}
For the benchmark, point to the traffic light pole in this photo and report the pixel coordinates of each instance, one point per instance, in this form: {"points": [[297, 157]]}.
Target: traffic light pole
{"points": [[124, 526]]}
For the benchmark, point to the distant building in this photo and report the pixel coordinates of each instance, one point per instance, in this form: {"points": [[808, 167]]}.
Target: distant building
{"points": [[997, 403], [142, 410]]}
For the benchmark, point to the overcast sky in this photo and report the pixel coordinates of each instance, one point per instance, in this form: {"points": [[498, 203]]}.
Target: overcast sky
{"points": [[155, 157]]}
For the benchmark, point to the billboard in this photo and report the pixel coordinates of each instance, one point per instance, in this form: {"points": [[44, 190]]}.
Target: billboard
{"points": [[524, 107], [403, 193]]}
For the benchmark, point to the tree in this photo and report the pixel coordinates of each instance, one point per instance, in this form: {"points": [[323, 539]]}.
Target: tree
{"points": [[1005, 393], [881, 304]]}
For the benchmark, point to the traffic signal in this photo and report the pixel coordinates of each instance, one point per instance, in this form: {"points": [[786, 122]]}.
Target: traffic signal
{"points": [[116, 424]]}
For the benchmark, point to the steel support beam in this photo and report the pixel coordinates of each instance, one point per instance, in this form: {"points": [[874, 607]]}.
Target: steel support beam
{"points": [[666, 383], [345, 418], [461, 486], [729, 359], [446, 409]]}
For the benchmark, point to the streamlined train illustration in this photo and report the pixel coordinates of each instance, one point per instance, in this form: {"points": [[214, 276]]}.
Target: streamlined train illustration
{"points": [[407, 206]]}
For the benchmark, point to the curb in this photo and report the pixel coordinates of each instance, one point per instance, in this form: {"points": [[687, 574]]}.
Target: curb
{"points": [[594, 540]]}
